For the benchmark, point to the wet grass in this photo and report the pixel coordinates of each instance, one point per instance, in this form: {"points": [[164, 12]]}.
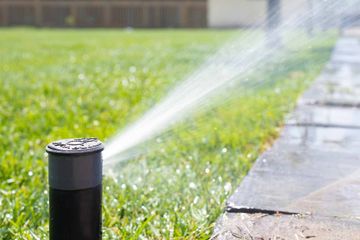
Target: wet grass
{"points": [[63, 84]]}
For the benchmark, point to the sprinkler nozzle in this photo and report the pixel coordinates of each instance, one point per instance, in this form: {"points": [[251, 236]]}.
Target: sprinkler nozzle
{"points": [[75, 180]]}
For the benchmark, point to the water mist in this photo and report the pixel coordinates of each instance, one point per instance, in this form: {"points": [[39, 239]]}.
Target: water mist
{"points": [[232, 63]]}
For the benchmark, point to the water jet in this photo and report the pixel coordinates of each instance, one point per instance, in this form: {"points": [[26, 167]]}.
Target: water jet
{"points": [[75, 182]]}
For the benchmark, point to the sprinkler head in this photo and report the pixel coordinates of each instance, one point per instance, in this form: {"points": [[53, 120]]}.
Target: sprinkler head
{"points": [[75, 179]]}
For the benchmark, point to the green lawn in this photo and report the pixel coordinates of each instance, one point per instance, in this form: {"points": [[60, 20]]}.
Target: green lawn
{"points": [[62, 84]]}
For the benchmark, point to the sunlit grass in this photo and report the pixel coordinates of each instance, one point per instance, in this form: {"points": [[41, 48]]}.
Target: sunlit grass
{"points": [[61, 84]]}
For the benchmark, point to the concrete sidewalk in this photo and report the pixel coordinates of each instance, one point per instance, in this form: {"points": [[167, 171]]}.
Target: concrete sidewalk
{"points": [[307, 186]]}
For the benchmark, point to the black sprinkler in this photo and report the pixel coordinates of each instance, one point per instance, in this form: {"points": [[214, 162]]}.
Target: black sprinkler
{"points": [[75, 179]]}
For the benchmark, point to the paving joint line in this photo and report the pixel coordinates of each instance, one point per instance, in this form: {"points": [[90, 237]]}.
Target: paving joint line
{"points": [[258, 210], [323, 125], [333, 104]]}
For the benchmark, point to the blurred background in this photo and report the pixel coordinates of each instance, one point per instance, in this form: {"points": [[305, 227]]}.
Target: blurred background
{"points": [[81, 68], [160, 13]]}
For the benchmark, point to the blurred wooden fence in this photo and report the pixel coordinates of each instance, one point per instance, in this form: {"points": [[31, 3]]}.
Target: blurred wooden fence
{"points": [[104, 13]]}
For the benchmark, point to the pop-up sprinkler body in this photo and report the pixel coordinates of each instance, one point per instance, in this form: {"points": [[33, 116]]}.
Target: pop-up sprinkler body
{"points": [[75, 179]]}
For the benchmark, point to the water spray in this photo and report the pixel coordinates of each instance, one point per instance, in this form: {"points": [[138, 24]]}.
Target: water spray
{"points": [[230, 66], [75, 179]]}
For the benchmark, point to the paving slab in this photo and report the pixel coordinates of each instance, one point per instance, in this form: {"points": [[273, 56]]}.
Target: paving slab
{"points": [[325, 116], [279, 227], [339, 84], [352, 32], [336, 139], [292, 175], [328, 90], [347, 51], [307, 186]]}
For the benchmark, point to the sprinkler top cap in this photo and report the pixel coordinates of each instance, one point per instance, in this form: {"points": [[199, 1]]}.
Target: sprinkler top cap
{"points": [[75, 164], [75, 146]]}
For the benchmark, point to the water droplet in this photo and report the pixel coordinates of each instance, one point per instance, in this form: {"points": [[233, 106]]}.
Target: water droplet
{"points": [[224, 150], [196, 200], [207, 170], [10, 180], [82, 76], [192, 185], [227, 187], [123, 186], [132, 69], [43, 104], [125, 82], [8, 216], [112, 103]]}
